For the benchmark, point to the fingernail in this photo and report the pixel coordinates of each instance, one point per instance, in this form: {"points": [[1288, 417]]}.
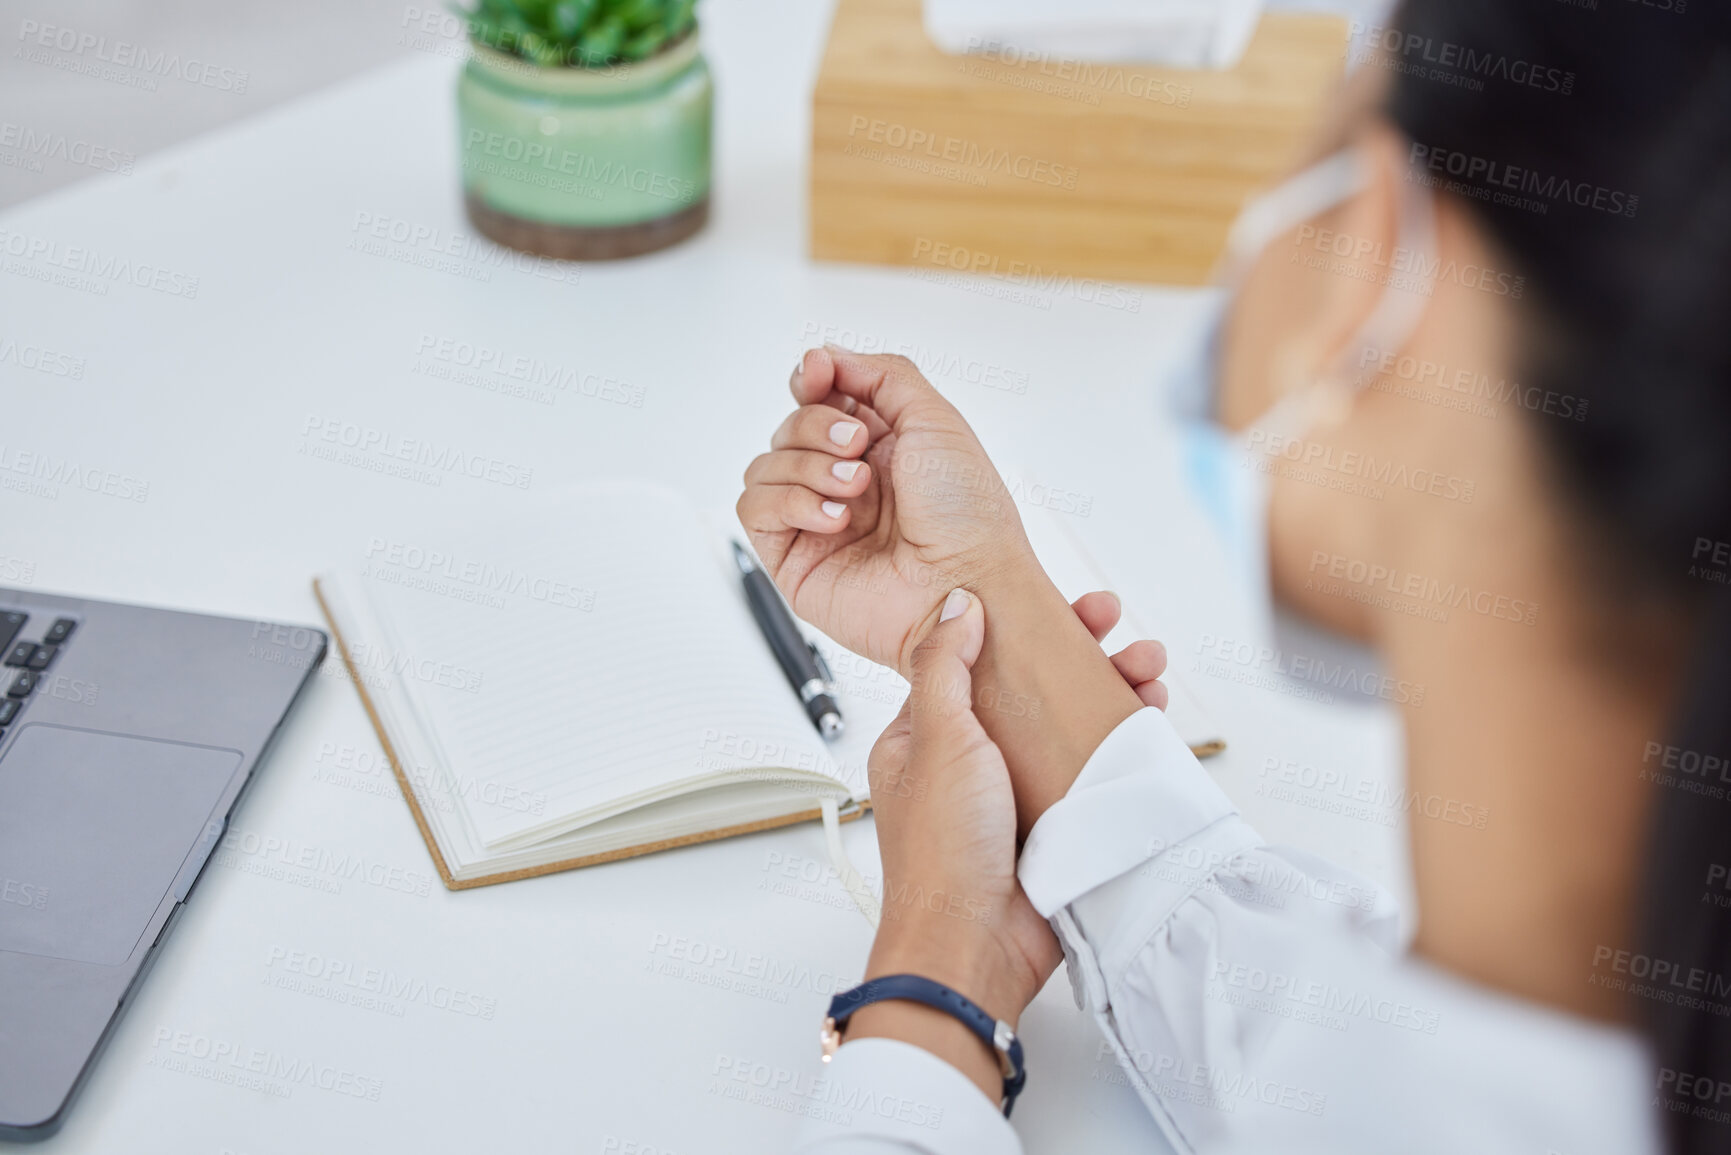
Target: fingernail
{"points": [[956, 604], [1117, 599], [834, 508], [842, 433], [844, 470], [799, 371]]}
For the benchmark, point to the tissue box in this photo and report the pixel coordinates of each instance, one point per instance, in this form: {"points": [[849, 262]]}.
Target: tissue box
{"points": [[1031, 167]]}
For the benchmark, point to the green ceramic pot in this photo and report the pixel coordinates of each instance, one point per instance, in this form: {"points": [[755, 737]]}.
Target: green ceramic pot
{"points": [[586, 163]]}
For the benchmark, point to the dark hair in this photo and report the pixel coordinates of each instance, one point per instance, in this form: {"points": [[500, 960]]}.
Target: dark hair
{"points": [[1592, 141]]}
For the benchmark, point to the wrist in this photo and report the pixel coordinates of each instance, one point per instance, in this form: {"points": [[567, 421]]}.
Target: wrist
{"points": [[1044, 689], [1002, 565], [968, 959], [968, 967]]}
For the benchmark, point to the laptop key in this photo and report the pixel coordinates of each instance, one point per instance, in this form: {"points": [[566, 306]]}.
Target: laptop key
{"points": [[59, 631], [42, 656], [11, 621], [22, 684], [20, 654], [8, 711]]}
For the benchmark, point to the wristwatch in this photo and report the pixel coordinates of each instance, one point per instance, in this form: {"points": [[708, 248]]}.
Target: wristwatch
{"points": [[995, 1033]]}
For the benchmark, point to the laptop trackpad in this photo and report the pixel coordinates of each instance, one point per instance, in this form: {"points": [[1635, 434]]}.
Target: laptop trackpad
{"points": [[93, 829]]}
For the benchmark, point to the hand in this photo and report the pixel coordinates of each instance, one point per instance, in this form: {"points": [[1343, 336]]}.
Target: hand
{"points": [[946, 832], [953, 910], [867, 557], [875, 500], [1141, 662]]}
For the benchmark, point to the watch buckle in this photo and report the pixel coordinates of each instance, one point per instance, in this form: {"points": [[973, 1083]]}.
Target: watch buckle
{"points": [[830, 1038], [1002, 1039]]}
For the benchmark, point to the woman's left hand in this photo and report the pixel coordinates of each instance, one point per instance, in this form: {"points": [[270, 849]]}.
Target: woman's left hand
{"points": [[953, 909], [946, 816]]}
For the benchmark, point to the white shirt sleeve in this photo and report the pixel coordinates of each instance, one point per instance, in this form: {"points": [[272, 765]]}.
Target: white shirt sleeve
{"points": [[1249, 995], [1145, 812], [1189, 938], [893, 1098]]}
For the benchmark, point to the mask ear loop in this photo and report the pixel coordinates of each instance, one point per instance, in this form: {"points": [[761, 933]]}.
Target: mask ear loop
{"points": [[1399, 310], [1393, 319], [1329, 182]]}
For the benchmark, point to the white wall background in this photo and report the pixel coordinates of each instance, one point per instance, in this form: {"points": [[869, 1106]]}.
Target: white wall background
{"points": [[92, 123]]}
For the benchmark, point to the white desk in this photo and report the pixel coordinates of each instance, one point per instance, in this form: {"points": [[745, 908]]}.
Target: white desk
{"points": [[583, 1044]]}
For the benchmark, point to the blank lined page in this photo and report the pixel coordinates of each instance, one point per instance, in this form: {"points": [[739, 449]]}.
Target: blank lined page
{"points": [[591, 653]]}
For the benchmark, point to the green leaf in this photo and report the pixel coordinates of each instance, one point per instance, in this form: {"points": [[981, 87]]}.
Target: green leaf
{"points": [[587, 32], [681, 15], [644, 44], [569, 18], [601, 43], [639, 14]]}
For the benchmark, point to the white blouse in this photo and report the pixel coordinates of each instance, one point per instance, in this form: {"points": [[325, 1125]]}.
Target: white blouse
{"points": [[1254, 1000]]}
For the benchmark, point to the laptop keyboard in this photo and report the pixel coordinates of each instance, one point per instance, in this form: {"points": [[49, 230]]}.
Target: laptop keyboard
{"points": [[26, 658]]}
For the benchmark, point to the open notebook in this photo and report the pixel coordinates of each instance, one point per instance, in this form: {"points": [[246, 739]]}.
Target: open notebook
{"points": [[582, 681]]}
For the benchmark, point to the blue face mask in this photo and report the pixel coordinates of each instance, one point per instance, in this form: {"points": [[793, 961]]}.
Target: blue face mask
{"points": [[1221, 466], [1211, 456]]}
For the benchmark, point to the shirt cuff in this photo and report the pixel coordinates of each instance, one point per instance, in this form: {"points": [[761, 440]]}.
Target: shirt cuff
{"points": [[885, 1089], [1141, 793]]}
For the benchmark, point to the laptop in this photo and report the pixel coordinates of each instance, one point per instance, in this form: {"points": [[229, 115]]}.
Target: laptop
{"points": [[127, 737]]}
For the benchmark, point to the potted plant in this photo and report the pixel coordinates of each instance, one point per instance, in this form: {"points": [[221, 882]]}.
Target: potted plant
{"points": [[585, 125]]}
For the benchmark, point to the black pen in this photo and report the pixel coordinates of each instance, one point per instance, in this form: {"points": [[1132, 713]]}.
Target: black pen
{"points": [[805, 668]]}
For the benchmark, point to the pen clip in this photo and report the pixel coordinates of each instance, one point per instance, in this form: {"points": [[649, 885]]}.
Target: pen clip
{"points": [[822, 667]]}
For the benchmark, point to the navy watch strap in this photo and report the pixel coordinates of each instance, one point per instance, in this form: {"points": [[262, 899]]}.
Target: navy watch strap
{"points": [[995, 1033]]}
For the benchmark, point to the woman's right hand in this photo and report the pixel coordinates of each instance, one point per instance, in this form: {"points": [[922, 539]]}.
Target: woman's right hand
{"points": [[874, 502], [869, 554]]}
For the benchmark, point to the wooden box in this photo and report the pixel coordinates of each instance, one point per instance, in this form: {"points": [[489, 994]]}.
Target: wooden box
{"points": [[1022, 166]]}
